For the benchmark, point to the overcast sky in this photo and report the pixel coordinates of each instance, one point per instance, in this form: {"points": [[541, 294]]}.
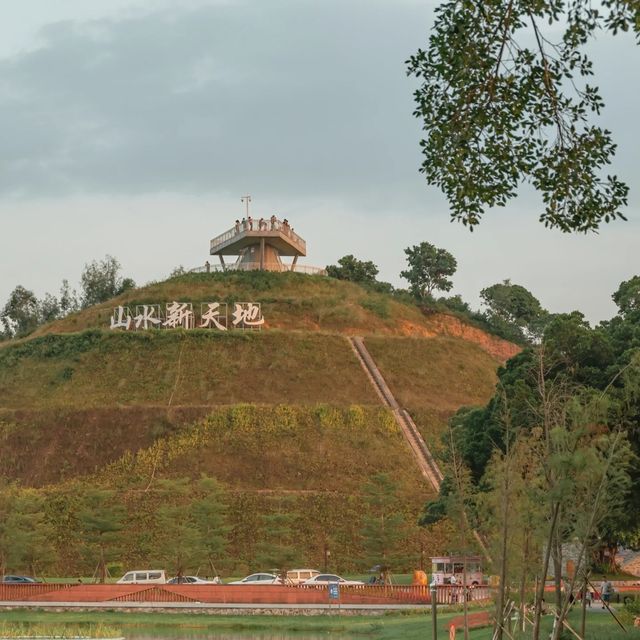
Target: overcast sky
{"points": [[133, 127]]}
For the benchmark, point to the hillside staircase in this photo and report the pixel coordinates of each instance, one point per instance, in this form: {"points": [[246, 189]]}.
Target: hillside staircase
{"points": [[426, 462]]}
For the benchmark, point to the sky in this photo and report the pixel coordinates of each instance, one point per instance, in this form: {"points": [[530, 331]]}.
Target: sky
{"points": [[133, 127]]}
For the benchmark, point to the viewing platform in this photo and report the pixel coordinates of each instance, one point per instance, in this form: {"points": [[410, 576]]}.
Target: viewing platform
{"points": [[259, 246], [276, 234]]}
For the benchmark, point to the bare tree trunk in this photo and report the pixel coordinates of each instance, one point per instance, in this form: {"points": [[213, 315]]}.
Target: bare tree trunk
{"points": [[523, 580], [583, 613], [465, 608], [564, 610], [557, 570], [500, 600], [545, 568], [102, 568]]}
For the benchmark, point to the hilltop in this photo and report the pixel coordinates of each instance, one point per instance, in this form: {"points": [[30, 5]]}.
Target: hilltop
{"points": [[282, 413], [293, 301]]}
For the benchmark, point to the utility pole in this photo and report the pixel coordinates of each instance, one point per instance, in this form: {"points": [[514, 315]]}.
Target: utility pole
{"points": [[246, 200], [434, 610]]}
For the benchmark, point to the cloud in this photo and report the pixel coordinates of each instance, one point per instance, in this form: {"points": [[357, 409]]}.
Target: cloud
{"points": [[135, 135], [298, 98]]}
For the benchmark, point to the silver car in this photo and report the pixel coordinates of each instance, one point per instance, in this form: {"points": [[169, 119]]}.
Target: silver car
{"points": [[259, 578]]}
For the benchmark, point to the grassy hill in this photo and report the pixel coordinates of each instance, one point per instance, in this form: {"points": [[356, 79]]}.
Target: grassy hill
{"points": [[293, 301], [283, 415]]}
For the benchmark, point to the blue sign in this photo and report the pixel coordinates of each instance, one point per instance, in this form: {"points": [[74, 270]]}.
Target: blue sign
{"points": [[334, 591]]}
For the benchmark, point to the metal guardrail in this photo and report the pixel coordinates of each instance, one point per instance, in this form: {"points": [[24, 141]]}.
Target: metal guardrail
{"points": [[165, 593], [239, 230], [445, 594], [424, 458], [255, 266]]}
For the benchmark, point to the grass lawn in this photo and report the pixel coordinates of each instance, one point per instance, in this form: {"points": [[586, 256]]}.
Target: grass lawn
{"points": [[395, 625]]}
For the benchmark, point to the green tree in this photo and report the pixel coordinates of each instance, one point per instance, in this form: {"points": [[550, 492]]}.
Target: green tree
{"points": [[21, 313], [383, 524], [178, 271], [101, 523], [513, 516], [101, 281], [29, 533], [429, 269], [277, 549], [513, 311], [354, 270], [208, 512], [627, 297], [178, 541], [7, 541], [49, 308], [68, 300], [502, 101]]}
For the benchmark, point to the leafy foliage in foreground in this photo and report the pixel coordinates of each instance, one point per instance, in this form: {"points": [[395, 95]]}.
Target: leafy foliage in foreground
{"points": [[498, 112], [581, 366]]}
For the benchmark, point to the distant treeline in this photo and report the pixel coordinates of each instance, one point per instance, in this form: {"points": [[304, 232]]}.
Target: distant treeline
{"points": [[23, 312]]}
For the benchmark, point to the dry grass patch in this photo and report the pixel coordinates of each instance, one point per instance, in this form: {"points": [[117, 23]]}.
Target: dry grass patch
{"points": [[436, 373], [96, 369]]}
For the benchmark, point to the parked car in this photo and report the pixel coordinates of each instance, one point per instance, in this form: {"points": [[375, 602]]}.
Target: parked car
{"points": [[19, 580], [298, 576], [192, 580], [259, 578], [330, 578], [144, 576]]}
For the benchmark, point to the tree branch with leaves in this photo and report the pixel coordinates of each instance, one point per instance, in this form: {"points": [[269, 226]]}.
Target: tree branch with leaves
{"points": [[504, 100]]}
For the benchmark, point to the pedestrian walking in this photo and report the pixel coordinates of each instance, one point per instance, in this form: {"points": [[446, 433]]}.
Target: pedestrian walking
{"points": [[454, 590], [605, 592]]}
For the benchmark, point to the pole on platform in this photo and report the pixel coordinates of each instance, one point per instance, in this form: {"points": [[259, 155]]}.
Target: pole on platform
{"points": [[434, 612]]}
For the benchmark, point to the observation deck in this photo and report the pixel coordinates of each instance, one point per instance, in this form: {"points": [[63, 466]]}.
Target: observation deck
{"points": [[259, 244], [276, 234]]}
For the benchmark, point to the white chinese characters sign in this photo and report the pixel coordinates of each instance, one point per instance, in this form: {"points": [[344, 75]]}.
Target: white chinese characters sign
{"points": [[180, 315]]}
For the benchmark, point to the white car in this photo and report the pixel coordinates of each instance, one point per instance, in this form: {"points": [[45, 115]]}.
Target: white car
{"points": [[259, 578], [324, 579], [192, 580]]}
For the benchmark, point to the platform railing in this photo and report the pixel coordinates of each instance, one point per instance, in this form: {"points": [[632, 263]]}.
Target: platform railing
{"points": [[255, 266], [255, 226]]}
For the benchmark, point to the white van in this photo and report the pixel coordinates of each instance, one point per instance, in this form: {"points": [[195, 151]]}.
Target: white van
{"points": [[298, 576], [144, 576]]}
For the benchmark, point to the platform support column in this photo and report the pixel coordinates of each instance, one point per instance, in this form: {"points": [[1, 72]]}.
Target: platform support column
{"points": [[261, 254], [293, 264], [224, 266]]}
